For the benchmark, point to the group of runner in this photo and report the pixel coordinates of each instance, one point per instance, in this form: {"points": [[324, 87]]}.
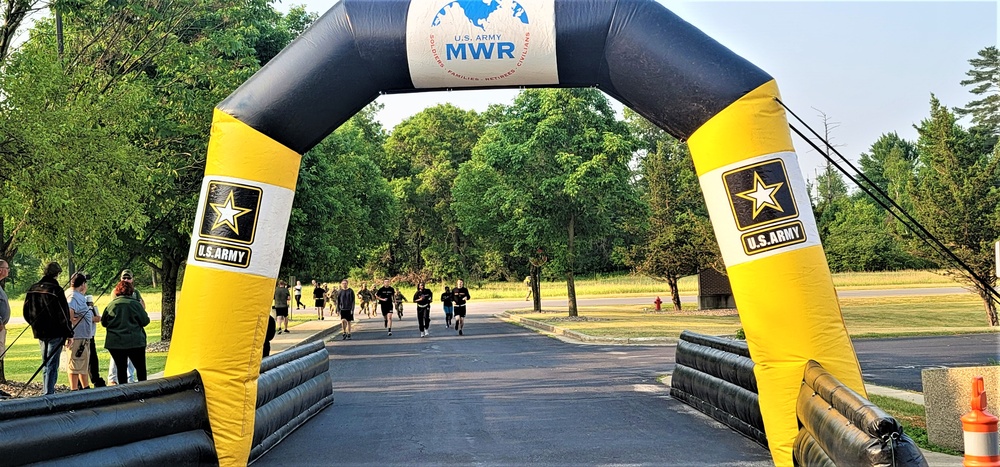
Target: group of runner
{"points": [[390, 303]]}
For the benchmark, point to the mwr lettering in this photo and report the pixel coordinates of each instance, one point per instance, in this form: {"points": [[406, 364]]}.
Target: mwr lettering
{"points": [[479, 51]]}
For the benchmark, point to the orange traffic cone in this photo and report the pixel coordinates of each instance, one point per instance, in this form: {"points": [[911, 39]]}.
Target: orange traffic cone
{"points": [[982, 444]]}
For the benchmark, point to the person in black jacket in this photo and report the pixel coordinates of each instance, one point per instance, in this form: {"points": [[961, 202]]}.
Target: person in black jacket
{"points": [[47, 311], [384, 296], [423, 299], [270, 334]]}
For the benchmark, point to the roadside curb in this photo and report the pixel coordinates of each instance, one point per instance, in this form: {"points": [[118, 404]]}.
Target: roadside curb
{"points": [[579, 337]]}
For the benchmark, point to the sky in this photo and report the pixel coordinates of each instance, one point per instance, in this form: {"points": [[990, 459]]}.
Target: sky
{"points": [[870, 66]]}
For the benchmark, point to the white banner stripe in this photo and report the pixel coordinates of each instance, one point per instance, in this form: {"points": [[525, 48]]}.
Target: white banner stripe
{"points": [[759, 208], [221, 239]]}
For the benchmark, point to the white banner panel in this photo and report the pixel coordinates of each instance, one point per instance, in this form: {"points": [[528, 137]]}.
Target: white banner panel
{"points": [[471, 43], [241, 226], [760, 207]]}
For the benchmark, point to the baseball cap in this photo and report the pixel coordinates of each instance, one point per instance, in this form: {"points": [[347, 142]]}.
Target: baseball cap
{"points": [[127, 274]]}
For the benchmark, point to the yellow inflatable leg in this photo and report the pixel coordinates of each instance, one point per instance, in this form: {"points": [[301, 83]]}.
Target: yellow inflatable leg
{"points": [[228, 286], [760, 211]]}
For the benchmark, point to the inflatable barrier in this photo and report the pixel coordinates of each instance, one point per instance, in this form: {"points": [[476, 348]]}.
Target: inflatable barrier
{"points": [[840, 427], [714, 376], [636, 51], [294, 385], [156, 422]]}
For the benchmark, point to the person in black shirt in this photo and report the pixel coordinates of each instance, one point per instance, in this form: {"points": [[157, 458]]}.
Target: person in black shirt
{"points": [[460, 295], [423, 299], [449, 305], [345, 308], [384, 296], [319, 293]]}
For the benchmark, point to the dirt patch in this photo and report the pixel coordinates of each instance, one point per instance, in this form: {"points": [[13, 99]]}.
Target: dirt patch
{"points": [[158, 346], [13, 388]]}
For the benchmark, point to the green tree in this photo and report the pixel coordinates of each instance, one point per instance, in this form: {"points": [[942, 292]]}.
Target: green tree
{"points": [[678, 238], [984, 77], [422, 156], [343, 208], [551, 173], [860, 239], [956, 195]]}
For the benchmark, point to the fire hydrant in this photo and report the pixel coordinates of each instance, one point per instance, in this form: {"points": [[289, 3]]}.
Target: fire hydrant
{"points": [[657, 302]]}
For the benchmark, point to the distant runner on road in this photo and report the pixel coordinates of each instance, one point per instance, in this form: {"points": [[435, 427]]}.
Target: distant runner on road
{"points": [[384, 296], [423, 299], [460, 294]]}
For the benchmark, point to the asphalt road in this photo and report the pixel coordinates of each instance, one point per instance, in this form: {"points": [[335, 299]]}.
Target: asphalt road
{"points": [[897, 362], [503, 395]]}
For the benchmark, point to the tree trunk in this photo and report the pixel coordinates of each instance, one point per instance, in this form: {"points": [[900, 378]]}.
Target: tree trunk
{"points": [[570, 284], [536, 288], [675, 295], [991, 307], [168, 286]]}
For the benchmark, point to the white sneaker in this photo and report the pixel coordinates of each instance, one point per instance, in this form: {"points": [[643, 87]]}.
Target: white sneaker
{"points": [[427, 333], [422, 334]]}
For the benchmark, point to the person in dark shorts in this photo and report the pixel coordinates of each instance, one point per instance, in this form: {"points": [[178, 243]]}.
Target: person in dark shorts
{"points": [[281, 303], [449, 305], [384, 296], [318, 294], [461, 295], [345, 308], [423, 299]]}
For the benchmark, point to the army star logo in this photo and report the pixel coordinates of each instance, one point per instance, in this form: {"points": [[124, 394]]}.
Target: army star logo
{"points": [[762, 195], [228, 214], [759, 194]]}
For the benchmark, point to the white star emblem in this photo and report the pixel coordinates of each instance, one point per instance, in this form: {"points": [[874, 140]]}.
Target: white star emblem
{"points": [[762, 195], [228, 213]]}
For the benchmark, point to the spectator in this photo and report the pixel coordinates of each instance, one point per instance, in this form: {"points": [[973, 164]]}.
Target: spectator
{"points": [[125, 319], [4, 313], [127, 276], [281, 304], [269, 335], [46, 310], [82, 316], [298, 295]]}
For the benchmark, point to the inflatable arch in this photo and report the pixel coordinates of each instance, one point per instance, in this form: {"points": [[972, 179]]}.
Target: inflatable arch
{"points": [[636, 51]]}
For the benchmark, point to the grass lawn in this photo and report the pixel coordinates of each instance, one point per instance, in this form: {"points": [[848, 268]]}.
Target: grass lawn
{"points": [[865, 317], [25, 357]]}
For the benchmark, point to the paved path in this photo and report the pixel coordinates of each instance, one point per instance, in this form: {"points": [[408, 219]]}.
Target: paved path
{"points": [[503, 395], [897, 362]]}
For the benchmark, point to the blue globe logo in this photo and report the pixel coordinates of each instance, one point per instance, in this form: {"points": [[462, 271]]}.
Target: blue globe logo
{"points": [[477, 12]]}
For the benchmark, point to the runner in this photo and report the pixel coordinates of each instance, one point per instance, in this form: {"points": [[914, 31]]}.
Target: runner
{"points": [[398, 300], [449, 307], [281, 302], [365, 296], [423, 299], [345, 308], [461, 295], [384, 296], [318, 294]]}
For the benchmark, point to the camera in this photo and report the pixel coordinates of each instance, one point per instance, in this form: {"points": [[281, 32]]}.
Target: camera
{"points": [[90, 300]]}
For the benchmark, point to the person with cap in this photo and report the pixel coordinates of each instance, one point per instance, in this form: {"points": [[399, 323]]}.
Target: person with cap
{"points": [[83, 318], [127, 276], [47, 312]]}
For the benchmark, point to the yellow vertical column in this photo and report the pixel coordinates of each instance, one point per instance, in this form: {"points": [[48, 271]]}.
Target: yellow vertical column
{"points": [[229, 280], [761, 215]]}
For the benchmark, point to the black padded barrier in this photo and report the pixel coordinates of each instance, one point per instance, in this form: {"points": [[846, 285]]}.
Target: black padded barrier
{"points": [[840, 427], [156, 422], [293, 386], [715, 376]]}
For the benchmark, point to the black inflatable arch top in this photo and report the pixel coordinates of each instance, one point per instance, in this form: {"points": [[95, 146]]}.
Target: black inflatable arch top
{"points": [[636, 51]]}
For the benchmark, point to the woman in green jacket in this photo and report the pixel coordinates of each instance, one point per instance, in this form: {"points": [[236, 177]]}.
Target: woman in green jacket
{"points": [[125, 319]]}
